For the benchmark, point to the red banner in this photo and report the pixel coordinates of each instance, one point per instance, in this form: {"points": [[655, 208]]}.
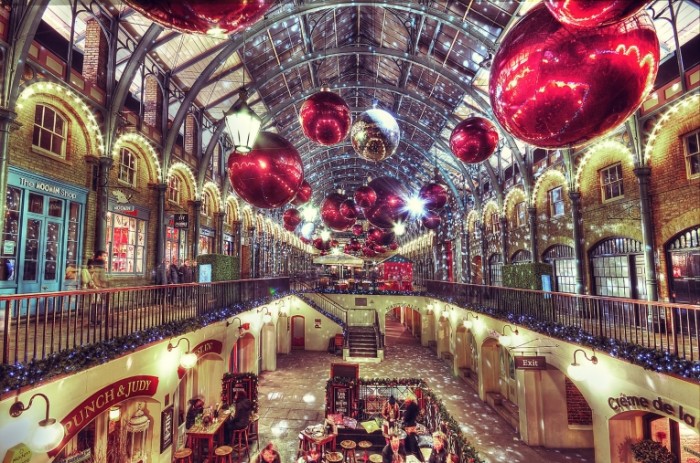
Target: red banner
{"points": [[211, 346], [102, 400]]}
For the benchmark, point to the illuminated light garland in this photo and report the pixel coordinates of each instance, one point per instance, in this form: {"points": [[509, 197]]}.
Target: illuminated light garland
{"points": [[691, 102], [182, 167], [549, 173], [214, 190], [491, 204], [66, 94], [472, 217], [612, 145], [511, 194], [143, 143], [230, 199]]}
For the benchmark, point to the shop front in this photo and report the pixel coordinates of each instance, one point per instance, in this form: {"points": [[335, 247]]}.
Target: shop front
{"points": [[126, 239]]}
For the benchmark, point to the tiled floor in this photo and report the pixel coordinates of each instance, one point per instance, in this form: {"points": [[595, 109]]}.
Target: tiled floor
{"points": [[292, 397]]}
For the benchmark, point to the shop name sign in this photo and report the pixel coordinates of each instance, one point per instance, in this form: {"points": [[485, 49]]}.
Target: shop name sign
{"points": [[531, 362], [48, 188], [630, 402], [206, 347], [180, 221], [102, 400]]}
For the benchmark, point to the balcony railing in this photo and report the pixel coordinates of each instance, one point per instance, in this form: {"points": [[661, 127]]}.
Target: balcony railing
{"points": [[665, 326], [35, 326]]}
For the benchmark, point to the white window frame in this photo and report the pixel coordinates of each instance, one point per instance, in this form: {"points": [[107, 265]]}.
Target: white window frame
{"points": [[206, 205], [40, 127], [495, 223], [128, 169], [520, 222], [174, 185], [554, 203], [689, 156], [607, 183]]}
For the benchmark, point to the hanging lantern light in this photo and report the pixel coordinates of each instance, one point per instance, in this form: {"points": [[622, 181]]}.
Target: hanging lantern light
{"points": [[243, 124]]}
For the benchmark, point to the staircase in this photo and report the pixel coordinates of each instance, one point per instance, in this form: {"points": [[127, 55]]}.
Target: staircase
{"points": [[362, 341]]}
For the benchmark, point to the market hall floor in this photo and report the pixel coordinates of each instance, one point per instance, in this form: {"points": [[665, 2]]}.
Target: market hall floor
{"points": [[292, 397]]}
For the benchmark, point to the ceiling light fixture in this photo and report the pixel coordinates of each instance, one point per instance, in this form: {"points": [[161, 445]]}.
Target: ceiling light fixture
{"points": [[242, 123]]}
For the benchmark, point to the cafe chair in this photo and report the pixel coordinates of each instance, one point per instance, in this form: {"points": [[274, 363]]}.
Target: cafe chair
{"points": [[364, 445], [223, 454], [334, 457], [376, 458], [183, 455], [348, 447], [239, 443], [253, 429]]}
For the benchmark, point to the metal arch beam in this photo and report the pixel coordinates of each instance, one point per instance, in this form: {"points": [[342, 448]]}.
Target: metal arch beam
{"points": [[196, 59], [191, 95], [165, 39], [364, 170], [204, 163], [122, 90]]}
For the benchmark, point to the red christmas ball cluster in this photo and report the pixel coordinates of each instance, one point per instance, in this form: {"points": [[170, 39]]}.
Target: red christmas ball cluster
{"points": [[303, 195], [556, 86], [202, 16], [331, 215], [270, 175], [390, 206], [325, 118], [291, 219]]}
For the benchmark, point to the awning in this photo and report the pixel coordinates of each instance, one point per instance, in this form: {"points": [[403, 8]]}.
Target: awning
{"points": [[339, 259]]}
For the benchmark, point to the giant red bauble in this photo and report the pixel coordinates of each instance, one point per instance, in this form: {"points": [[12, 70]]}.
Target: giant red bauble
{"points": [[553, 86], [365, 196], [390, 206], [270, 175], [291, 219], [330, 213], [593, 13], [203, 16], [303, 195], [431, 220], [434, 195], [325, 118], [473, 140]]}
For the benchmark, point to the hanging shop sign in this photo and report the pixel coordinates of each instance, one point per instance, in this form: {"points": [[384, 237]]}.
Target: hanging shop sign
{"points": [[102, 400], [624, 403], [530, 362], [129, 209], [212, 346], [181, 221], [207, 232]]}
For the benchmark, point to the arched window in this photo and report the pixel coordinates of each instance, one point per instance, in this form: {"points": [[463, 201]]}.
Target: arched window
{"points": [[561, 258], [206, 205], [49, 132], [174, 186], [520, 257], [127, 167], [684, 269], [495, 269], [618, 268]]}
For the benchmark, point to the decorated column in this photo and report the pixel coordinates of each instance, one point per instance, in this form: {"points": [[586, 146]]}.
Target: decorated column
{"points": [[532, 220], [196, 209], [575, 197]]}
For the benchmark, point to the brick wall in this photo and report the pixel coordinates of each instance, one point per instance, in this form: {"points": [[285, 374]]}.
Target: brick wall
{"points": [[190, 134], [96, 54], [577, 410], [153, 103]]}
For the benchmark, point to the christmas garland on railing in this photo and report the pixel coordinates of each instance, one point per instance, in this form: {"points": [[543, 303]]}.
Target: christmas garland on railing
{"points": [[468, 453]]}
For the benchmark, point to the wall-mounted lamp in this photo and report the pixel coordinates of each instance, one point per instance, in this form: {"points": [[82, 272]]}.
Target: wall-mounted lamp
{"points": [[49, 432], [581, 372], [284, 309], [506, 340], [429, 309], [115, 413], [188, 359], [445, 313], [267, 316], [468, 324]]}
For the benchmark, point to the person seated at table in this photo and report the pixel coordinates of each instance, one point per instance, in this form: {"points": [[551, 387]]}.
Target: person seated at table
{"points": [[268, 454], [439, 453], [394, 451], [241, 417], [410, 414], [390, 410], [196, 409]]}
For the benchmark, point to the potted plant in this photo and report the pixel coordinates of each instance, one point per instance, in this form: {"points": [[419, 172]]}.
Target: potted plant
{"points": [[650, 451]]}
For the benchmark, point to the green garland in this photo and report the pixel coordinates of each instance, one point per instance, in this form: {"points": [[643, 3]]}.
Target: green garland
{"points": [[469, 454], [231, 377]]}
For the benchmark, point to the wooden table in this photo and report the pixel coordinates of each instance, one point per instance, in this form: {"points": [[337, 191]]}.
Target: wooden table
{"points": [[198, 433], [319, 440]]}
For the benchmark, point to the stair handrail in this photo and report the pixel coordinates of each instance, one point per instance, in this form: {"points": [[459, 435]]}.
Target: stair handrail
{"points": [[330, 306]]}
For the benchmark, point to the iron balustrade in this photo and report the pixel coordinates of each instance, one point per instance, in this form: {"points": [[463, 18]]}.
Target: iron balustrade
{"points": [[35, 326], [665, 326]]}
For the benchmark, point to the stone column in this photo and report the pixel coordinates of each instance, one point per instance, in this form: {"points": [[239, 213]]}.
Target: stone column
{"points": [[643, 174], [485, 277], [105, 164], [504, 239], [532, 220], [575, 198], [466, 255], [196, 209], [160, 223]]}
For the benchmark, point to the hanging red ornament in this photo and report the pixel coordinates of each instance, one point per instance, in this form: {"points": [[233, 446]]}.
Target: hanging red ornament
{"points": [[431, 220], [303, 195], [325, 118], [348, 209], [394, 246], [357, 229], [593, 13], [322, 245], [291, 219], [365, 196], [374, 235], [379, 249], [368, 252], [473, 140], [434, 195], [270, 175], [390, 206], [556, 87], [375, 135], [202, 16], [330, 213]]}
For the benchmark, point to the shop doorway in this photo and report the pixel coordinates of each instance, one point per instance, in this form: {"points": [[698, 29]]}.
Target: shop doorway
{"points": [[247, 354], [298, 330], [683, 253], [476, 271]]}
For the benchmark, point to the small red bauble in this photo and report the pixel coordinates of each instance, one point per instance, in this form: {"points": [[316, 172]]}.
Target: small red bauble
{"points": [[291, 219], [374, 235], [593, 13], [431, 220], [473, 140], [303, 195], [390, 206], [365, 196], [434, 195], [348, 209], [325, 118], [203, 16], [553, 86], [330, 213], [357, 229], [394, 246], [270, 175], [322, 245]]}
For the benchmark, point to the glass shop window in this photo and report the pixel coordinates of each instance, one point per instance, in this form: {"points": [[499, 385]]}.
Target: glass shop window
{"points": [[692, 154], [8, 260], [611, 182], [126, 243], [556, 201], [49, 135], [521, 214], [174, 187], [127, 167]]}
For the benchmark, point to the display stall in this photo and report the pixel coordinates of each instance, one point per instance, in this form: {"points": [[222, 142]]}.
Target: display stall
{"points": [[396, 273]]}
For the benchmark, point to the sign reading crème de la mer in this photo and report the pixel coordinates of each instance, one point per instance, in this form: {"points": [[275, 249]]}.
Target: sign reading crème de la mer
{"points": [[102, 400], [631, 402]]}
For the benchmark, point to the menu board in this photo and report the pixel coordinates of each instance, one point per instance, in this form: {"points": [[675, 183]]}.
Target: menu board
{"points": [[166, 428], [341, 400]]}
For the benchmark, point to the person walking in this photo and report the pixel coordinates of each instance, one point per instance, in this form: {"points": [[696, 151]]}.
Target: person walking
{"points": [[186, 272], [161, 279], [99, 278], [173, 279]]}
